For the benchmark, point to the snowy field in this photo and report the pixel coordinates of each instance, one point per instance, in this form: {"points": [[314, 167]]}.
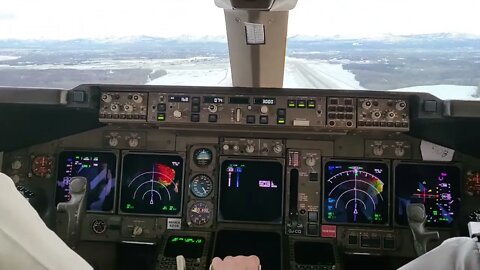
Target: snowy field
{"points": [[459, 92], [299, 73]]}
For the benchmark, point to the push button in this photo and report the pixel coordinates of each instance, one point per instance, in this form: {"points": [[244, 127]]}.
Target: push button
{"points": [[264, 119], [195, 108], [352, 239], [195, 118], [161, 117], [250, 119], [312, 229], [301, 103], [196, 100], [212, 118], [312, 216], [161, 107], [292, 103]]}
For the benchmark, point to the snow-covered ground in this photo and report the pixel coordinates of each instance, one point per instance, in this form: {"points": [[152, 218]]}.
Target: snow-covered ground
{"points": [[8, 57], [299, 73], [445, 91]]}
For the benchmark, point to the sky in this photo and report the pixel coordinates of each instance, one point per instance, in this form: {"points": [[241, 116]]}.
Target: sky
{"points": [[70, 19]]}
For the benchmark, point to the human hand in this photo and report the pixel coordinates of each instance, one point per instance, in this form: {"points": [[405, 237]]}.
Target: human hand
{"points": [[236, 263]]}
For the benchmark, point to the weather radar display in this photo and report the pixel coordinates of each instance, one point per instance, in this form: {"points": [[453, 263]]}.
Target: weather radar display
{"points": [[356, 192], [151, 184]]}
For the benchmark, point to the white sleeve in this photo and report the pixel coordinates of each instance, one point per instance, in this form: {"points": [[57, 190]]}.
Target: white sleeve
{"points": [[26, 243], [459, 253]]}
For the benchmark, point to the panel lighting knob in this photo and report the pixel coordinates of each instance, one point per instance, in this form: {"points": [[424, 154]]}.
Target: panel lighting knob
{"points": [[226, 147], [137, 230], [137, 98], [133, 142], [378, 150], [278, 148], [367, 104], [236, 148], [113, 141], [310, 161], [114, 108], [401, 105], [264, 109], [376, 115], [128, 108], [106, 98], [177, 114], [250, 148], [399, 151], [16, 165]]}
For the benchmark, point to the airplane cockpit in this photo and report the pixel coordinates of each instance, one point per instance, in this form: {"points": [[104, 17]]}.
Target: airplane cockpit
{"points": [[131, 176]]}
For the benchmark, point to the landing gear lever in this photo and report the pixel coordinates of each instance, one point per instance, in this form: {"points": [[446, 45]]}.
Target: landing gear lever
{"points": [[75, 209], [416, 220]]}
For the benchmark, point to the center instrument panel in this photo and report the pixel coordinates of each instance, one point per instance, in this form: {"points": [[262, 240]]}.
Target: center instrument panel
{"points": [[326, 172]]}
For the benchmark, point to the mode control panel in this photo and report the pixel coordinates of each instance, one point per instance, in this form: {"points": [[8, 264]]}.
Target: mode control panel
{"points": [[123, 106], [237, 109], [376, 113]]}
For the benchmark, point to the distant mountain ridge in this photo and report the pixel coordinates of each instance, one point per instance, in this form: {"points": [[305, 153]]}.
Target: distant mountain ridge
{"points": [[223, 39], [438, 41]]}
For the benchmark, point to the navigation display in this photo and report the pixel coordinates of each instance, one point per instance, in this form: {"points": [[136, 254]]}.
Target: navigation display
{"points": [[251, 191], [435, 186], [152, 184], [189, 247], [356, 192], [99, 168]]}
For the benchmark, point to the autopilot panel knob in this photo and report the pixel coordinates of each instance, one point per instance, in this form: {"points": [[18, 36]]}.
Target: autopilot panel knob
{"points": [[177, 114], [114, 108], [249, 148], [137, 98], [367, 104], [401, 105], [376, 115], [264, 109], [107, 98], [128, 108]]}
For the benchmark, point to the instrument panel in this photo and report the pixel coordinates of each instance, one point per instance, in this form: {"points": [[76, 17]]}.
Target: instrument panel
{"points": [[276, 110], [189, 169]]}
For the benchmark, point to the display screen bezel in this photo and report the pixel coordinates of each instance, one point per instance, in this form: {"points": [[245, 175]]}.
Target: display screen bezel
{"points": [[220, 217], [388, 219], [85, 151], [394, 192], [179, 154]]}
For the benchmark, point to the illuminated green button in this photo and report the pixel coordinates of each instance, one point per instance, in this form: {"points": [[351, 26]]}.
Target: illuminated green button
{"points": [[311, 104], [301, 103], [161, 117], [281, 121], [292, 104]]}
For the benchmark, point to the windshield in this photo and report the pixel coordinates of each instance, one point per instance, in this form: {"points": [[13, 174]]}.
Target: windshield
{"points": [[429, 46]]}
